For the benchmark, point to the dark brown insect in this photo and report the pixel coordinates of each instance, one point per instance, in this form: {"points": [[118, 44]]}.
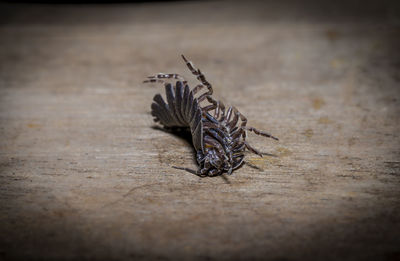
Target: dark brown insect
{"points": [[217, 135]]}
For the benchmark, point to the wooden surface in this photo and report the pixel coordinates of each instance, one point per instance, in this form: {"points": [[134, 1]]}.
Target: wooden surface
{"points": [[86, 175]]}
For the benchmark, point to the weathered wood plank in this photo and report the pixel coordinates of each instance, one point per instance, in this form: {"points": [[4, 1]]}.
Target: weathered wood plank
{"points": [[85, 175]]}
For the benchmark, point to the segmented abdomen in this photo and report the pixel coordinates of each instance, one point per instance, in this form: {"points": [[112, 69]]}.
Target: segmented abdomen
{"points": [[181, 110]]}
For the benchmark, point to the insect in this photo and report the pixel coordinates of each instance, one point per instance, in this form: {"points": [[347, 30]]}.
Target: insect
{"points": [[218, 134]]}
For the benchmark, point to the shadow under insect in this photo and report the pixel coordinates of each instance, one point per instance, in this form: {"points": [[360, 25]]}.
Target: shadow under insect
{"points": [[181, 133]]}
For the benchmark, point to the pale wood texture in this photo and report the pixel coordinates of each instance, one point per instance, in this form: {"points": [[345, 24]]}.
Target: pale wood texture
{"points": [[86, 175]]}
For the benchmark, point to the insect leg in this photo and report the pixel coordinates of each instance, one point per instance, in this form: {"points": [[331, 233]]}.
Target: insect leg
{"points": [[222, 110], [203, 97], [216, 136], [238, 155], [219, 107], [258, 132], [211, 119], [239, 162], [197, 173], [235, 118], [159, 77], [250, 148], [229, 114], [199, 75], [238, 147], [244, 133], [209, 108], [242, 118], [216, 106], [154, 80], [197, 88]]}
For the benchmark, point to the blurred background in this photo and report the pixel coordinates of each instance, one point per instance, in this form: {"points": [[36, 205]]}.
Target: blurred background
{"points": [[86, 175]]}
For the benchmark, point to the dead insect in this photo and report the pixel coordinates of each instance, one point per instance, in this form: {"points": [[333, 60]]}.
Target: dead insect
{"points": [[219, 139]]}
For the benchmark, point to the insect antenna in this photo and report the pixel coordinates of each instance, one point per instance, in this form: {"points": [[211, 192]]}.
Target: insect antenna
{"points": [[197, 173]]}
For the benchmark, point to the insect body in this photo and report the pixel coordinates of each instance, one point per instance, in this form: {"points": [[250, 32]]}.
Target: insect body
{"points": [[218, 134]]}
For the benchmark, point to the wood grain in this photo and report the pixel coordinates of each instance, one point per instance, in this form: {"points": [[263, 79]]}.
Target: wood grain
{"points": [[86, 174]]}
